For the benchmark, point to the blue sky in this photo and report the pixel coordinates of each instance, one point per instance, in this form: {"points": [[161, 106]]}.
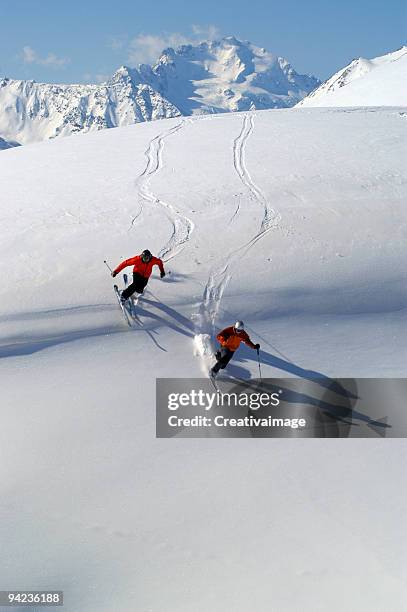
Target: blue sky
{"points": [[86, 41]]}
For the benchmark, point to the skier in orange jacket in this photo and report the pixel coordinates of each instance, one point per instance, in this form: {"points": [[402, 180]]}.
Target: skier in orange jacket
{"points": [[142, 268], [230, 339]]}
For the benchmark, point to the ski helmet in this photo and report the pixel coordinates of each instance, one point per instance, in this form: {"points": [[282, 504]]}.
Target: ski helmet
{"points": [[239, 326], [146, 256]]}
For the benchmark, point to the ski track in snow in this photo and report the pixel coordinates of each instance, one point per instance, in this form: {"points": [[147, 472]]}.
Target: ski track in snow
{"points": [[182, 226], [221, 273], [181, 232], [270, 217]]}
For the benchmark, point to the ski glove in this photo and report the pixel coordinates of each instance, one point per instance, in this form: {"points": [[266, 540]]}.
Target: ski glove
{"points": [[162, 274], [257, 346], [114, 274]]}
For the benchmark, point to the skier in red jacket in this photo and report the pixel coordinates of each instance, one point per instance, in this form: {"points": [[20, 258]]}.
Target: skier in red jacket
{"points": [[143, 266], [230, 339]]}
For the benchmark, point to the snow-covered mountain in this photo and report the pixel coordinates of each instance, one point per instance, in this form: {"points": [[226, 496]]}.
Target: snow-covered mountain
{"points": [[377, 82], [4, 144], [32, 111], [212, 77], [226, 75]]}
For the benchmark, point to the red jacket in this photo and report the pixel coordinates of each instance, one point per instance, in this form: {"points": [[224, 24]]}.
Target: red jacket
{"points": [[144, 269], [229, 338]]}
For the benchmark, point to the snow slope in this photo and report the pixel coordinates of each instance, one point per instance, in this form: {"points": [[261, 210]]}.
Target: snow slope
{"points": [[283, 218], [211, 77], [377, 82]]}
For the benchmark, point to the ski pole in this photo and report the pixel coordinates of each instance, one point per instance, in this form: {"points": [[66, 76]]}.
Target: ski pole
{"points": [[105, 262], [258, 359]]}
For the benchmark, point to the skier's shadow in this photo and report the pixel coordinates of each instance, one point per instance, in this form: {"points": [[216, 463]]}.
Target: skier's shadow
{"points": [[235, 371], [182, 322], [298, 371], [334, 411]]}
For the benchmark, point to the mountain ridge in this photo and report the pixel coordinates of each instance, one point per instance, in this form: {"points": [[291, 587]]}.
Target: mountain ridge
{"points": [[364, 82], [211, 77]]}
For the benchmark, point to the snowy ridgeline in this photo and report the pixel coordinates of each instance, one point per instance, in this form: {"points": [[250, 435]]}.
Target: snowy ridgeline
{"points": [[377, 82], [284, 219], [213, 77]]}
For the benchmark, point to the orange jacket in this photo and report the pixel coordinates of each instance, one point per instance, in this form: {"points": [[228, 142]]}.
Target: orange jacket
{"points": [[230, 339], [144, 269]]}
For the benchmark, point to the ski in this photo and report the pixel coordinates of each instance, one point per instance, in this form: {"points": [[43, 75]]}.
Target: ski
{"points": [[122, 306], [215, 386], [133, 303], [213, 381]]}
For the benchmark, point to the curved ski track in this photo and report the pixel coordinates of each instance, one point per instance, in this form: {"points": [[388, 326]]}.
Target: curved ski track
{"points": [[182, 226], [270, 216], [221, 274]]}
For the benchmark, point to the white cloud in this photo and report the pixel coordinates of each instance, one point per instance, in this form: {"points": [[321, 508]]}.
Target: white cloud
{"points": [[100, 77], [210, 32], [116, 43], [31, 57], [146, 48]]}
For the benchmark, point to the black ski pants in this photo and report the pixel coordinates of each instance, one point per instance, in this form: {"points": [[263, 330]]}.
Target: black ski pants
{"points": [[223, 360], [138, 285]]}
